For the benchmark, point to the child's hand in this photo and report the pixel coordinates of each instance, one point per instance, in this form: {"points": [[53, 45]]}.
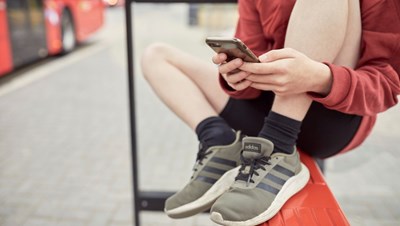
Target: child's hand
{"points": [[287, 71], [230, 71]]}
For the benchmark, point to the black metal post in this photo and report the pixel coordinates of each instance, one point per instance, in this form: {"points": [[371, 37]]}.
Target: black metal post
{"points": [[132, 110]]}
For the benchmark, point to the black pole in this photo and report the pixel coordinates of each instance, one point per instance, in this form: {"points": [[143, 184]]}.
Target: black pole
{"points": [[132, 111]]}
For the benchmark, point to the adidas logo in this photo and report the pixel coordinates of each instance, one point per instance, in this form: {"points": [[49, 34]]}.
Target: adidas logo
{"points": [[253, 147]]}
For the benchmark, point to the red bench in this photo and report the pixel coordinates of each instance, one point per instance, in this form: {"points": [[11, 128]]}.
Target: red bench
{"points": [[315, 205]]}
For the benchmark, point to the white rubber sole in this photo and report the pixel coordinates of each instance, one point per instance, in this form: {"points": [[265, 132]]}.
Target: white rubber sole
{"points": [[291, 187], [207, 199]]}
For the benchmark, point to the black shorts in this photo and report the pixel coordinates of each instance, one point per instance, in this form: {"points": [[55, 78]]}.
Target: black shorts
{"points": [[324, 132]]}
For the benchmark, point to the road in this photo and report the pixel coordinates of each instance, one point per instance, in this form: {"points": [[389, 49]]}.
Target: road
{"points": [[64, 138]]}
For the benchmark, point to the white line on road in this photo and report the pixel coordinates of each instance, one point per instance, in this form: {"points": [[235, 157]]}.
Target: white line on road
{"points": [[51, 68]]}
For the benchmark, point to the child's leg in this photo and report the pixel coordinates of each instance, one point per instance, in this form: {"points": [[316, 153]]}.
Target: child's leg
{"points": [[317, 29], [190, 88], [349, 53], [324, 31], [321, 38]]}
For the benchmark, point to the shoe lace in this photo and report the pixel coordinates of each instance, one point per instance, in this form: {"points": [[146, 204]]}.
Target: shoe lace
{"points": [[201, 155], [252, 165]]}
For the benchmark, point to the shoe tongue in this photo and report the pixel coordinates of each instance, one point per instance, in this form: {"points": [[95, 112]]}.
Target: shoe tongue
{"points": [[256, 147]]}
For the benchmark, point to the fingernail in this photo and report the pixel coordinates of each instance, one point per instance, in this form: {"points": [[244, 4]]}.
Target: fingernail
{"points": [[263, 58], [238, 61]]}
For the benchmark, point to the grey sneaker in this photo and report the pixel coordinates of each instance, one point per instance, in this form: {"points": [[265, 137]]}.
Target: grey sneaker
{"points": [[265, 182], [214, 172]]}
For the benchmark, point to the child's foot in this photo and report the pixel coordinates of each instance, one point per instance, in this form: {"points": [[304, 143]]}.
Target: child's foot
{"points": [[214, 172], [265, 182]]}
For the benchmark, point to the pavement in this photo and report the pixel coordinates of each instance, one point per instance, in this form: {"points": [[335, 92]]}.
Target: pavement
{"points": [[64, 137]]}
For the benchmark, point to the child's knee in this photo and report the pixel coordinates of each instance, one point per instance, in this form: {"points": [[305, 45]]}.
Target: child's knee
{"points": [[155, 51], [153, 55]]}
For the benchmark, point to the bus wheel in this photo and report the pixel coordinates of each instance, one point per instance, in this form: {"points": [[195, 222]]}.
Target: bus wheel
{"points": [[67, 32]]}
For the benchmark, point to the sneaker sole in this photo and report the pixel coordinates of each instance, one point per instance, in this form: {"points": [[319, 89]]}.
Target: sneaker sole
{"points": [[207, 199], [291, 187]]}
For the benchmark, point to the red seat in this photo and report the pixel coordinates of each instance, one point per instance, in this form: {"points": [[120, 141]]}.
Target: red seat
{"points": [[315, 205]]}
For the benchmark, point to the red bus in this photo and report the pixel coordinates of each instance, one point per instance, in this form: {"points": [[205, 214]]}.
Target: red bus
{"points": [[33, 29]]}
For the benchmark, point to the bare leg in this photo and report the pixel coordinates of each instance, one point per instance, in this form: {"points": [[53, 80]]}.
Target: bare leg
{"points": [[324, 31], [187, 85], [350, 51]]}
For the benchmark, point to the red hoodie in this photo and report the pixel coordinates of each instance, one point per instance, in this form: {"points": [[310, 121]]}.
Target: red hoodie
{"points": [[369, 89]]}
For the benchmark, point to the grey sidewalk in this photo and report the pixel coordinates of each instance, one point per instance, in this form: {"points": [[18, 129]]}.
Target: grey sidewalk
{"points": [[64, 139]]}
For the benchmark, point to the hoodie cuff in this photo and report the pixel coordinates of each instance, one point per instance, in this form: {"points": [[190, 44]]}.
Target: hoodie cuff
{"points": [[341, 84]]}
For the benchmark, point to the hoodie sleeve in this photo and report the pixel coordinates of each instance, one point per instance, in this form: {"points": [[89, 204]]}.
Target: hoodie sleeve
{"points": [[374, 85]]}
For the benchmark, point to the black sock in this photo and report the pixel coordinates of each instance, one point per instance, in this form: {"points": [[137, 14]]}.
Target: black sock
{"points": [[282, 131], [215, 131]]}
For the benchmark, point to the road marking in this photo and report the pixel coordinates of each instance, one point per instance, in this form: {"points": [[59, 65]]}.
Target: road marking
{"points": [[51, 67]]}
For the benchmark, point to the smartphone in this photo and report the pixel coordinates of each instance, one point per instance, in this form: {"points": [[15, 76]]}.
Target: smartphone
{"points": [[232, 47]]}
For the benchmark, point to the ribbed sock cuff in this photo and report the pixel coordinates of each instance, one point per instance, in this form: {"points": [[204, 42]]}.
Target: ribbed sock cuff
{"points": [[215, 131], [282, 131]]}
